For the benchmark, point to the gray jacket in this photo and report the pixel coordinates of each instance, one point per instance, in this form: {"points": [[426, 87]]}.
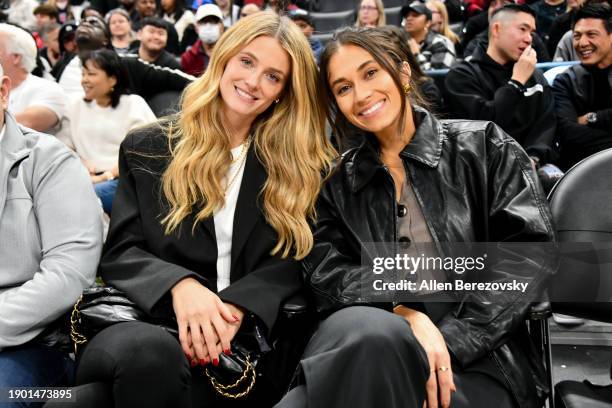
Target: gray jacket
{"points": [[50, 232], [565, 49]]}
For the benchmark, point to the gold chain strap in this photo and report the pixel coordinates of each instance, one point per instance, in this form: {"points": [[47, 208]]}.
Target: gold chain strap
{"points": [[75, 317], [222, 389]]}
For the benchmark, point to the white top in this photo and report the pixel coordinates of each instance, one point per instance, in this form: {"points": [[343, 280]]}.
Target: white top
{"points": [[232, 17], [70, 81], [224, 219], [182, 23], [97, 132], [39, 92], [2, 131]]}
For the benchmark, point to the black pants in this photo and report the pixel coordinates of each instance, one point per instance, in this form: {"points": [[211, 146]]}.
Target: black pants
{"points": [[362, 357], [136, 364]]}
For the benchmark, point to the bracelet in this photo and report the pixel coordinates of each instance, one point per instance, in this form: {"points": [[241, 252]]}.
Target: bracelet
{"points": [[517, 85], [109, 175]]}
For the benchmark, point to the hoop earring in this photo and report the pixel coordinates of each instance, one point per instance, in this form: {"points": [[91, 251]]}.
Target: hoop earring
{"points": [[407, 89]]}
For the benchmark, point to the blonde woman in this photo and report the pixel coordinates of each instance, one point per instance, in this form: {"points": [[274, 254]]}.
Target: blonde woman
{"points": [[371, 13], [439, 20], [212, 215]]}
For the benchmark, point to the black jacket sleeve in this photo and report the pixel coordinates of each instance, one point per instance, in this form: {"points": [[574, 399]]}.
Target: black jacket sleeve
{"points": [[126, 263], [571, 133], [148, 80], [466, 98], [264, 289], [331, 271], [518, 212]]}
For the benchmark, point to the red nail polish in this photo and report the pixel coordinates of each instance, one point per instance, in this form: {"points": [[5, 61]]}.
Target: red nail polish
{"points": [[193, 363], [228, 352], [216, 362], [236, 319], [203, 362], [188, 356]]}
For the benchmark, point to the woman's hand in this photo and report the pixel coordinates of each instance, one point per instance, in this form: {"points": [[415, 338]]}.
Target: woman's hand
{"points": [[203, 321], [440, 382], [414, 46], [91, 169], [238, 315]]}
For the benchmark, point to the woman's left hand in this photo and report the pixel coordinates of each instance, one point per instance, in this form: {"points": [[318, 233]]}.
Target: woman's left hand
{"points": [[440, 382], [232, 329]]}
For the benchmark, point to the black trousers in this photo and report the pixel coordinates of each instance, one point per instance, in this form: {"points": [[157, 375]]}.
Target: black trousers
{"points": [[136, 364], [363, 357], [360, 357]]}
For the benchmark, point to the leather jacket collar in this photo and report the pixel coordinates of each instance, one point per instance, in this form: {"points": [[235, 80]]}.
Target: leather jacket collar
{"points": [[425, 147]]}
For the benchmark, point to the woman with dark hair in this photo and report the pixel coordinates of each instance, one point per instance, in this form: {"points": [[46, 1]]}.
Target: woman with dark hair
{"points": [[176, 13], [417, 182], [100, 121]]}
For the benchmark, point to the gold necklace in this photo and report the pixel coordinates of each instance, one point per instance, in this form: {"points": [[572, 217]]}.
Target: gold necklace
{"points": [[242, 160]]}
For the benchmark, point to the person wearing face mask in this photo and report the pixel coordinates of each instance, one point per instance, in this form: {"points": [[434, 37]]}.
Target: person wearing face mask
{"points": [[209, 27]]}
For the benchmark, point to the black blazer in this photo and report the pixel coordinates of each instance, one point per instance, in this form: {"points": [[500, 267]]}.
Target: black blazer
{"points": [[141, 260]]}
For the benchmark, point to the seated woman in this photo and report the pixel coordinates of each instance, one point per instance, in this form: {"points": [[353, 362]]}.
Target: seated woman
{"points": [[120, 27], [212, 211], [416, 180], [176, 13], [100, 121], [370, 13], [50, 244], [432, 50]]}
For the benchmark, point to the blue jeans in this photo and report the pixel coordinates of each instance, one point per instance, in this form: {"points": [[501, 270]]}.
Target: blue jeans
{"points": [[106, 192], [33, 365]]}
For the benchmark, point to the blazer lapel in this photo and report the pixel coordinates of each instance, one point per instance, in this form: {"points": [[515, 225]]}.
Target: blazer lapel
{"points": [[247, 208]]}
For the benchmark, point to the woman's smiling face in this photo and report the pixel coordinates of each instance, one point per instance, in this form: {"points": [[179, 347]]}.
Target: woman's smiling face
{"points": [[365, 93], [254, 78]]}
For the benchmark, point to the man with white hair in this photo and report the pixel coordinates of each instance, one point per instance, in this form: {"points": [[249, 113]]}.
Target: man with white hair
{"points": [[22, 12], [36, 103], [50, 244]]}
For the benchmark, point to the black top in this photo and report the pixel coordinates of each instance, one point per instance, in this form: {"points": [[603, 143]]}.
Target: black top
{"points": [[577, 91], [478, 89]]}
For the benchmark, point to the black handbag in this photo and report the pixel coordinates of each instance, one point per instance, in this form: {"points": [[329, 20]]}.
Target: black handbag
{"points": [[102, 306]]}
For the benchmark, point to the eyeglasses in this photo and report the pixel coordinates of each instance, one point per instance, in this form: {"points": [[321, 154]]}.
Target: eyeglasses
{"points": [[364, 8]]}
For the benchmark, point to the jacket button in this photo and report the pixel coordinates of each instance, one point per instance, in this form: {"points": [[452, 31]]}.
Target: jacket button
{"points": [[404, 240], [401, 210]]}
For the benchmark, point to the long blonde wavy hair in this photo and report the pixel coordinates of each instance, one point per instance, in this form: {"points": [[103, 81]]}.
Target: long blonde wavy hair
{"points": [[289, 140]]}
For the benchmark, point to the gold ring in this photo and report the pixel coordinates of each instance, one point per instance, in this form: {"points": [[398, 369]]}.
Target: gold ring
{"points": [[443, 368]]}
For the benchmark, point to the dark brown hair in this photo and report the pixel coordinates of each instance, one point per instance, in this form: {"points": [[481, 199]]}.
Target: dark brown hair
{"points": [[387, 49]]}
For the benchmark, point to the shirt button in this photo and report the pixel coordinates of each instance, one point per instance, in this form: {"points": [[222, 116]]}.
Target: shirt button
{"points": [[401, 210]]}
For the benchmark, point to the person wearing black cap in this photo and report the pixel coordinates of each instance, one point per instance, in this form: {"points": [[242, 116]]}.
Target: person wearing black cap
{"points": [[307, 25], [67, 48], [433, 50], [502, 84]]}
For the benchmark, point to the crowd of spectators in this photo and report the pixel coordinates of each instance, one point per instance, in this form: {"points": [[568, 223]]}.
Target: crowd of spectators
{"points": [[85, 72]]}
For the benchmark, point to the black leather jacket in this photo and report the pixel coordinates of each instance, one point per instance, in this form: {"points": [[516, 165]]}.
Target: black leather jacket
{"points": [[474, 183]]}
